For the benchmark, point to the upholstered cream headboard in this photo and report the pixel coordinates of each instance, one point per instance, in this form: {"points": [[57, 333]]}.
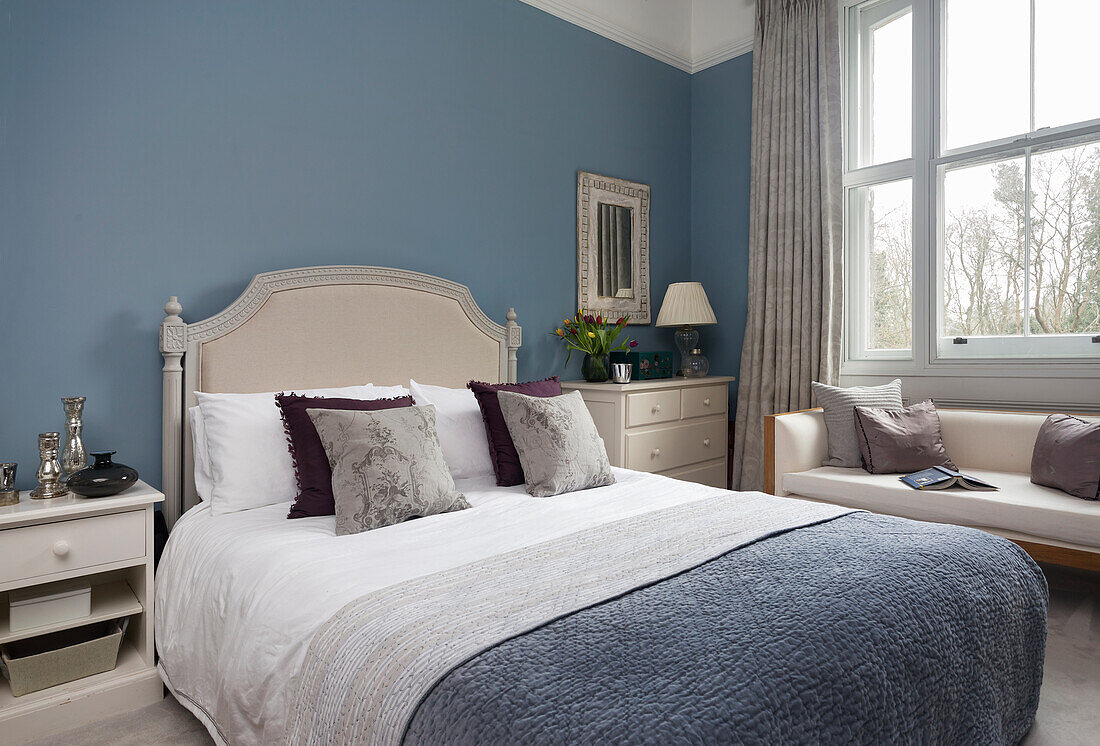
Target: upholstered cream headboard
{"points": [[318, 327]]}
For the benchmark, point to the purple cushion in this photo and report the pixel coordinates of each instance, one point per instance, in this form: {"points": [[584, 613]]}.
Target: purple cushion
{"points": [[900, 441], [310, 461], [501, 448], [1067, 456]]}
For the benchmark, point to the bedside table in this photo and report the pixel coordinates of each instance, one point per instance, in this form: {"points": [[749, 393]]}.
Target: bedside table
{"points": [[672, 426], [108, 541]]}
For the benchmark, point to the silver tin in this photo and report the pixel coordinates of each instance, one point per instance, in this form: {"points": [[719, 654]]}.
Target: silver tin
{"points": [[620, 372]]}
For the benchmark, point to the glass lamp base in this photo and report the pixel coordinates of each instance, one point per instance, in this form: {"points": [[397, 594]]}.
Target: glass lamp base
{"points": [[687, 339]]}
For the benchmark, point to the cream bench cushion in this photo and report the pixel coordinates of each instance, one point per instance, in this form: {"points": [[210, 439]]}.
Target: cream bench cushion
{"points": [[1019, 506]]}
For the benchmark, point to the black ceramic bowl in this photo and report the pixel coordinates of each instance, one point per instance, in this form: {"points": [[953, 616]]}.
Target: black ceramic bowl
{"points": [[103, 478]]}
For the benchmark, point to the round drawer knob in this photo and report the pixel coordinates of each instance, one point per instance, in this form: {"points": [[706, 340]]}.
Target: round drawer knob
{"points": [[706, 442], [656, 452], [61, 548], [656, 408], [706, 402]]}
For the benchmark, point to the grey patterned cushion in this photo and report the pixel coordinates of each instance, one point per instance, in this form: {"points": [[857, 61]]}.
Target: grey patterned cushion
{"points": [[559, 448], [839, 405], [387, 466]]}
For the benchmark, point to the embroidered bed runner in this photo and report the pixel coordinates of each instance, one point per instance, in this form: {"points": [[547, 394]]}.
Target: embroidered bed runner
{"points": [[369, 667]]}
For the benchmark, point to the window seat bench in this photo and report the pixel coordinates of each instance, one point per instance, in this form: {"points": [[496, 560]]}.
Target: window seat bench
{"points": [[1050, 525]]}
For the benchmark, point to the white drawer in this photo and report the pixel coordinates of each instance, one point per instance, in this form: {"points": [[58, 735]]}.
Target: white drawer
{"points": [[48, 548], [651, 407], [704, 400], [679, 445], [712, 473]]}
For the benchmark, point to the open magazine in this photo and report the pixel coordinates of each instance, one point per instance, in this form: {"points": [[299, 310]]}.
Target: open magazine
{"points": [[940, 478]]}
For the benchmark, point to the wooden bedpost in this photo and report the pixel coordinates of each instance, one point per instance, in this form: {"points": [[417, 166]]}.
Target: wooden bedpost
{"points": [[513, 340], [173, 343]]}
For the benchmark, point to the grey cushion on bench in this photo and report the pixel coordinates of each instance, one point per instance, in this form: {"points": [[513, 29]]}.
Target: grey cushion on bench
{"points": [[1067, 456], [900, 441], [839, 405]]}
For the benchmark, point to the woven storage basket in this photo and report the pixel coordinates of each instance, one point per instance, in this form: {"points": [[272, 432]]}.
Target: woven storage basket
{"points": [[41, 662]]}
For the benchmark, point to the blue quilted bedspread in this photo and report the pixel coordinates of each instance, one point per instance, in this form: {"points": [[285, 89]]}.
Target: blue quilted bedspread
{"points": [[865, 629]]}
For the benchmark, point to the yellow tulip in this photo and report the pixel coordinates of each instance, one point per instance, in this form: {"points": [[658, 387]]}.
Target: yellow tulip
{"points": [[560, 332], [592, 334]]}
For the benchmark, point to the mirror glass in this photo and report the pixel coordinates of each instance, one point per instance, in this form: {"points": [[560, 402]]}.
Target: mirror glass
{"points": [[615, 265]]}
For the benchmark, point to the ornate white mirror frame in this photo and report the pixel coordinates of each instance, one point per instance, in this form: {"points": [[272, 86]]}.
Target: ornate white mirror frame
{"points": [[594, 190]]}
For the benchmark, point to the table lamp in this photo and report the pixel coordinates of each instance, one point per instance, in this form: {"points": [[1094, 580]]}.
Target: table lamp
{"points": [[686, 306]]}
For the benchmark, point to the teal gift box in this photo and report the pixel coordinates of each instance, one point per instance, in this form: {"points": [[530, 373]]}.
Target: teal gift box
{"points": [[646, 365]]}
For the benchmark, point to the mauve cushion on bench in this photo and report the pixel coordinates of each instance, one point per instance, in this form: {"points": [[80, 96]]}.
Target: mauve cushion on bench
{"points": [[1067, 456], [900, 441], [310, 461]]}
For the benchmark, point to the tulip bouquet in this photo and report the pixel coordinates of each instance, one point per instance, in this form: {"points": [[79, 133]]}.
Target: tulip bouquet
{"points": [[593, 335]]}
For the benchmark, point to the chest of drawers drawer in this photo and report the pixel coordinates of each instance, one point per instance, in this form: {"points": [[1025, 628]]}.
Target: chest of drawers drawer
{"points": [[668, 448], [651, 407], [703, 400], [49, 548]]}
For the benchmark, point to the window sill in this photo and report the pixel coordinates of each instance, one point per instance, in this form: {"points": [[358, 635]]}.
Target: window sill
{"points": [[977, 367]]}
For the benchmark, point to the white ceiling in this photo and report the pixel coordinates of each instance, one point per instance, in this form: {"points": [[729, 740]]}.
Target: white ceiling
{"points": [[689, 34]]}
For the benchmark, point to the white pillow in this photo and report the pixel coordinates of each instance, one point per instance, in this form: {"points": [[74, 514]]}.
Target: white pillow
{"points": [[246, 444], [460, 427], [204, 480]]}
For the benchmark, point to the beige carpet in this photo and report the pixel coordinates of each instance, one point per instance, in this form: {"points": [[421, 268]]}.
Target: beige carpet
{"points": [[1069, 710]]}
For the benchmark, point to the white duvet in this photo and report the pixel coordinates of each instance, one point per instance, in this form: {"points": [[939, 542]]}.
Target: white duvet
{"points": [[240, 596]]}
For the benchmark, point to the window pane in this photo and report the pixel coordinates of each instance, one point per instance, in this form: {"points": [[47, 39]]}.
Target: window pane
{"points": [[1065, 246], [892, 90], [882, 45], [982, 273], [1065, 49], [886, 263], [986, 70]]}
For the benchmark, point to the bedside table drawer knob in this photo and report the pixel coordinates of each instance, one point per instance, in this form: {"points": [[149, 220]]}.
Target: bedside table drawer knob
{"points": [[657, 407], [656, 452], [61, 548], [706, 402], [706, 442]]}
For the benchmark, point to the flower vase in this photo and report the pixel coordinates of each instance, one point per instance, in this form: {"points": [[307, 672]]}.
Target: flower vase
{"points": [[596, 368]]}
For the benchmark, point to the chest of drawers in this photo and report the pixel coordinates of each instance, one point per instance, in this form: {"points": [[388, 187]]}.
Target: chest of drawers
{"points": [[674, 426]]}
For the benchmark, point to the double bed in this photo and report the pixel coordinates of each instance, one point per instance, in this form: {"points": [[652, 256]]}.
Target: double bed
{"points": [[648, 611]]}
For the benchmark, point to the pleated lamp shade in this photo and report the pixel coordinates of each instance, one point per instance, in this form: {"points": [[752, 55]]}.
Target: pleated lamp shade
{"points": [[686, 303]]}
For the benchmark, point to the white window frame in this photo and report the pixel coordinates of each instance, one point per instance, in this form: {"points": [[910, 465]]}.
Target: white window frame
{"points": [[989, 356]]}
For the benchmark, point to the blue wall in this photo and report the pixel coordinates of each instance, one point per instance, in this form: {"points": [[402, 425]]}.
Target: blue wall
{"points": [[721, 114], [157, 148]]}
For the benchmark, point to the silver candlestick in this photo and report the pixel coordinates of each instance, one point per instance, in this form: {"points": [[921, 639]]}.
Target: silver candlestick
{"points": [[49, 470], [8, 494], [75, 457]]}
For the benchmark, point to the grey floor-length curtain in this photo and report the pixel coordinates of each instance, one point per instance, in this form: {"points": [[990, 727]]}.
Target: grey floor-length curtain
{"points": [[792, 335]]}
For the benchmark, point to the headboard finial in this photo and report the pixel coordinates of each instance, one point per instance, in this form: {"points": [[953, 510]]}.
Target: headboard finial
{"points": [[172, 308]]}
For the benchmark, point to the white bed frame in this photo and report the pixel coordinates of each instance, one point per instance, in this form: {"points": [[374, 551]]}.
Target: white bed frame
{"points": [[318, 327]]}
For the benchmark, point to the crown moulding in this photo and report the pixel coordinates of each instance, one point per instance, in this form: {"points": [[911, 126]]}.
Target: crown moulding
{"points": [[662, 32]]}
